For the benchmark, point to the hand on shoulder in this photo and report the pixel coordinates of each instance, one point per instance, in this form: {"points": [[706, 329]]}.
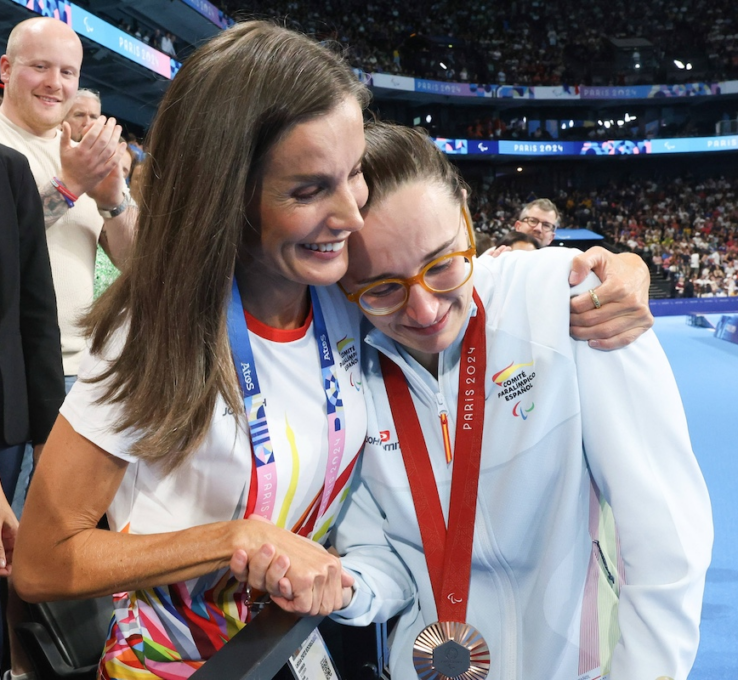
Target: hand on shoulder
{"points": [[623, 314]]}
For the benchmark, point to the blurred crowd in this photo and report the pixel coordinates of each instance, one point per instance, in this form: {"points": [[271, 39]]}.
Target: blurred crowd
{"points": [[512, 128], [685, 228], [525, 42]]}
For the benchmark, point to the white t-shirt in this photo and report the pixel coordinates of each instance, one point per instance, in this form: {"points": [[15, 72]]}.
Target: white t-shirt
{"points": [[213, 485]]}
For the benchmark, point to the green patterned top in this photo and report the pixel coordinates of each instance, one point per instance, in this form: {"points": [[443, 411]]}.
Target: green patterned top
{"points": [[105, 272]]}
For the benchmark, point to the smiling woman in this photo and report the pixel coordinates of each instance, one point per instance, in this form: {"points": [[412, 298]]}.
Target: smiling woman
{"points": [[184, 426], [222, 370], [311, 192]]}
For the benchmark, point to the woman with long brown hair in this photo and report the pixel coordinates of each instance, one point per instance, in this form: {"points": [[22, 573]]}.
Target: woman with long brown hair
{"points": [[255, 167], [222, 386]]}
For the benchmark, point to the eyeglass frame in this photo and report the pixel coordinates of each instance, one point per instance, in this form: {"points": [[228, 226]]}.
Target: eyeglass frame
{"points": [[469, 254], [546, 226]]}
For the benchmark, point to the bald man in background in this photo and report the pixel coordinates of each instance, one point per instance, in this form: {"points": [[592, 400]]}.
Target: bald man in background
{"points": [[84, 195]]}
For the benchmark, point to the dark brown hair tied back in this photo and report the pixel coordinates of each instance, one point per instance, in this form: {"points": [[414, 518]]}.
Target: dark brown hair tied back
{"points": [[231, 102], [396, 155]]}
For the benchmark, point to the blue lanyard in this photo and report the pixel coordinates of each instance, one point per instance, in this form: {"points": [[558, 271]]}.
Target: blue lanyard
{"points": [[255, 403]]}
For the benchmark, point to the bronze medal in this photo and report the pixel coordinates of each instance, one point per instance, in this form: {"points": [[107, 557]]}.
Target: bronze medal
{"points": [[447, 650]]}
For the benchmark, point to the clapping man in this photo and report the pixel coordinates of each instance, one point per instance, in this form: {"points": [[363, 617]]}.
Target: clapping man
{"points": [[84, 194]]}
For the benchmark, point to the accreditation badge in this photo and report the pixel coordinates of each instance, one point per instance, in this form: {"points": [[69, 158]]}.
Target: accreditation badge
{"points": [[312, 661]]}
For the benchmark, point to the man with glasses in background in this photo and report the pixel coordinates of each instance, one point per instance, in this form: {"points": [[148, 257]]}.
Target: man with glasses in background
{"points": [[539, 219]]}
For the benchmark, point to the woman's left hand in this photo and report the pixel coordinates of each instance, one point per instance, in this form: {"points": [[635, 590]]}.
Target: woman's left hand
{"points": [[266, 567], [624, 314]]}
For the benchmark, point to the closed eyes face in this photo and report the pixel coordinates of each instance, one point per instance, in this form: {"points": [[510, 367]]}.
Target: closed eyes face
{"points": [[442, 274], [312, 191], [408, 239]]}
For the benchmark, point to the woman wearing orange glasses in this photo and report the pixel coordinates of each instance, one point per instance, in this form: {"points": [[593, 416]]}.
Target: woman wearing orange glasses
{"points": [[530, 507]]}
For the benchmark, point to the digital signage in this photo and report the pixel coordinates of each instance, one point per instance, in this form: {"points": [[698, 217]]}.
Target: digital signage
{"points": [[101, 32], [612, 147]]}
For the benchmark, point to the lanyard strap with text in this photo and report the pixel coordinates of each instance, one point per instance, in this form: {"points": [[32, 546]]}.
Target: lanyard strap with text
{"points": [[255, 405], [448, 553]]}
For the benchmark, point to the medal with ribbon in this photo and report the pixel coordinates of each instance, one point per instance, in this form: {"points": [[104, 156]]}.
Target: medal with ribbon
{"points": [[449, 648]]}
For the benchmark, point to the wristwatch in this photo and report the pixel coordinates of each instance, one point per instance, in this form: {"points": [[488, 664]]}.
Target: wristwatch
{"points": [[114, 212]]}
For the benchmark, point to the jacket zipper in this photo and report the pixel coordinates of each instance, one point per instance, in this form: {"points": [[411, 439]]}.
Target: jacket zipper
{"points": [[443, 416]]}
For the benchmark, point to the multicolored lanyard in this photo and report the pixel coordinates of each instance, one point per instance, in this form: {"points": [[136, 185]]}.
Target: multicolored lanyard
{"points": [[255, 405], [447, 552]]}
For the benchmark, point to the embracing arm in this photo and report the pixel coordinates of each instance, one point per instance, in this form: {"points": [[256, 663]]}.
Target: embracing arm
{"points": [[384, 587], [624, 314], [623, 294], [639, 453], [60, 554]]}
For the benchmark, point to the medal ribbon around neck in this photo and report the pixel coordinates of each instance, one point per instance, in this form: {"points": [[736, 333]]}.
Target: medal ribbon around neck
{"points": [[255, 405], [447, 552]]}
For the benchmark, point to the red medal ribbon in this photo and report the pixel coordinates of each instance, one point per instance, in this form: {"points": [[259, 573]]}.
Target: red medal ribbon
{"points": [[447, 552]]}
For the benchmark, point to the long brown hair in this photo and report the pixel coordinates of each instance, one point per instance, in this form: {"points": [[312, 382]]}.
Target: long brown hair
{"points": [[231, 102]]}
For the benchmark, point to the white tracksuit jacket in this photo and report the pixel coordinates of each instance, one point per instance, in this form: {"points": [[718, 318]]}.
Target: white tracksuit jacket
{"points": [[570, 420]]}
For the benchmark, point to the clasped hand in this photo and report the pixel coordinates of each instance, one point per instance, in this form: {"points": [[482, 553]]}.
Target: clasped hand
{"points": [[300, 575]]}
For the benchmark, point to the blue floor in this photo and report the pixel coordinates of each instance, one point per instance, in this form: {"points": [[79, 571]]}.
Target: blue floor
{"points": [[706, 370]]}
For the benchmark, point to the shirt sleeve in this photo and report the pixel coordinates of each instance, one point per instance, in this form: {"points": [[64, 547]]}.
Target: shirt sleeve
{"points": [[384, 586], [639, 453], [91, 418]]}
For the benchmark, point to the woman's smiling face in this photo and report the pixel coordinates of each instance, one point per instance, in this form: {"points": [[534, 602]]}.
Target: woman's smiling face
{"points": [[311, 195]]}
